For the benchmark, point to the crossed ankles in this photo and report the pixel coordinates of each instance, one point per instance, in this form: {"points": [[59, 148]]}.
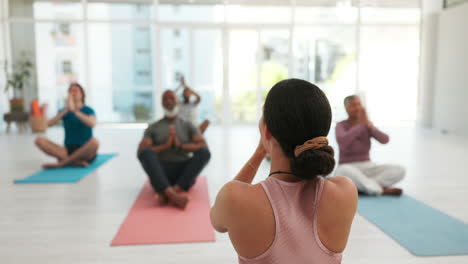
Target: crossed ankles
{"points": [[171, 196]]}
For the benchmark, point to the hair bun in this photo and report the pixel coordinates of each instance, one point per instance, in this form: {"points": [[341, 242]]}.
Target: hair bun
{"points": [[313, 162]]}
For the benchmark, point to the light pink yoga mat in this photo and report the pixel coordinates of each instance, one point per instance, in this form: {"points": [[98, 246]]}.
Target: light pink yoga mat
{"points": [[149, 223]]}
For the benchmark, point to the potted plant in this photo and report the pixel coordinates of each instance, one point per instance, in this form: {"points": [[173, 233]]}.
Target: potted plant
{"points": [[16, 81]]}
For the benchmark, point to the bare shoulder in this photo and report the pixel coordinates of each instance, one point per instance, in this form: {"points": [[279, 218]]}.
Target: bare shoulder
{"points": [[341, 181], [337, 209], [340, 190], [341, 184], [239, 194], [234, 201], [339, 199]]}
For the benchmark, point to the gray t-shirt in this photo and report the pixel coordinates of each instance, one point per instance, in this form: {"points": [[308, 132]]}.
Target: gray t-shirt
{"points": [[159, 133]]}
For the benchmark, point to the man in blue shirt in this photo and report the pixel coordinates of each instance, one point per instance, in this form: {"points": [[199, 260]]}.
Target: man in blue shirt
{"points": [[78, 121]]}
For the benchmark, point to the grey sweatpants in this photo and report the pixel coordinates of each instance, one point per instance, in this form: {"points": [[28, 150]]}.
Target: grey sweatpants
{"points": [[369, 177]]}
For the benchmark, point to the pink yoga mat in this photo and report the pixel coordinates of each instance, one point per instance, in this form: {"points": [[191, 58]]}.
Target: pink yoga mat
{"points": [[149, 223]]}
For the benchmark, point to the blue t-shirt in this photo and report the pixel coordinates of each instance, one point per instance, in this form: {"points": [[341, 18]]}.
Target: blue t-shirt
{"points": [[76, 132]]}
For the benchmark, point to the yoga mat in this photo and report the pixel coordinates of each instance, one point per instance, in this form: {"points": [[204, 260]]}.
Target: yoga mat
{"points": [[419, 228], [149, 223], [65, 174]]}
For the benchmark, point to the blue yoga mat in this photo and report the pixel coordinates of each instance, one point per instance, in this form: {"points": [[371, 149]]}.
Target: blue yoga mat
{"points": [[421, 229], [66, 174]]}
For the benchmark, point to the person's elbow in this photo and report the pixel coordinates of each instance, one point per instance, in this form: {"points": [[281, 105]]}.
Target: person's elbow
{"points": [[202, 143], [92, 124], [214, 222]]}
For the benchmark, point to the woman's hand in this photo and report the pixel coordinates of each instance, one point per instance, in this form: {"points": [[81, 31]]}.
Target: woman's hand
{"points": [[248, 171], [365, 120], [260, 150], [70, 104]]}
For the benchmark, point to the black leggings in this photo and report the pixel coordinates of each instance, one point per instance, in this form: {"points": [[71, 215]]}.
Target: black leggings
{"points": [[73, 148], [164, 174]]}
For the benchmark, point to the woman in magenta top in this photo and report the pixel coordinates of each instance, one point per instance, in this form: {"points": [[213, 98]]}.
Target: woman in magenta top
{"points": [[294, 216], [354, 140]]}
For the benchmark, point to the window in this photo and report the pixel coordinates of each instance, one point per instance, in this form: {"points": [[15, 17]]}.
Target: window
{"points": [[196, 12], [64, 29], [236, 48], [119, 10], [67, 67], [52, 9], [120, 59]]}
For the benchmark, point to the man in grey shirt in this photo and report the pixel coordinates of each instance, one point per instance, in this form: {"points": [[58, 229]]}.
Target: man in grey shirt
{"points": [[172, 153]]}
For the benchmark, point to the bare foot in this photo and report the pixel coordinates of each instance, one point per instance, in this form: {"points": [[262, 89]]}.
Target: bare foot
{"points": [[392, 191], [175, 199], [178, 189], [52, 165], [179, 201], [80, 163], [162, 199]]}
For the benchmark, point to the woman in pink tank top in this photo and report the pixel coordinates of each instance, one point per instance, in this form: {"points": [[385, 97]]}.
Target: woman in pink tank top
{"points": [[294, 216]]}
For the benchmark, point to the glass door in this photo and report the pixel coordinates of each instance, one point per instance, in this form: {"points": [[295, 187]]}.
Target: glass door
{"points": [[196, 55]]}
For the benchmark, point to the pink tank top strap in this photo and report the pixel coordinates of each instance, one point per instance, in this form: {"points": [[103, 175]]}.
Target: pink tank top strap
{"points": [[318, 197], [318, 194]]}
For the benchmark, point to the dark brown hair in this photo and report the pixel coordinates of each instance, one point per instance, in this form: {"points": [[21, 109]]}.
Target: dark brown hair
{"points": [[349, 98], [296, 111], [81, 89]]}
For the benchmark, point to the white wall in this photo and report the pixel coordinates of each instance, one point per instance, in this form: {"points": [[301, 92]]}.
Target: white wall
{"points": [[3, 97], [427, 63], [451, 79]]}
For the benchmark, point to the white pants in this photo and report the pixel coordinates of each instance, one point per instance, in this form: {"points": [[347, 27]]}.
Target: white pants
{"points": [[371, 178]]}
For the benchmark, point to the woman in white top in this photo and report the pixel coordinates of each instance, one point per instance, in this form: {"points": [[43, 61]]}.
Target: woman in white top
{"points": [[188, 109]]}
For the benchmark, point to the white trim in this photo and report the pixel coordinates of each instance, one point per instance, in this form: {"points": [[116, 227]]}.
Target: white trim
{"points": [[176, 24], [291, 39], [357, 36], [157, 82], [86, 77], [3, 25], [419, 89], [7, 37], [259, 62], [191, 52], [226, 119], [2, 12], [155, 10], [156, 65]]}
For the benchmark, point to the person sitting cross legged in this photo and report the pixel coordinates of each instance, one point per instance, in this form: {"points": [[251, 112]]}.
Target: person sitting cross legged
{"points": [[172, 153], [78, 121], [354, 140]]}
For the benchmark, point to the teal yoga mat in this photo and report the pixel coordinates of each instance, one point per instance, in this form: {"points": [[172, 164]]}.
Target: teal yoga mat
{"points": [[66, 174], [416, 226]]}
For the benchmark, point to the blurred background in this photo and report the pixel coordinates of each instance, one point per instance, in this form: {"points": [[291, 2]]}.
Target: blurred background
{"points": [[125, 53]]}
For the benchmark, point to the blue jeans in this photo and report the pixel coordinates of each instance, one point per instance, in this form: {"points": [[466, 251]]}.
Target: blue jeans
{"points": [[163, 174]]}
